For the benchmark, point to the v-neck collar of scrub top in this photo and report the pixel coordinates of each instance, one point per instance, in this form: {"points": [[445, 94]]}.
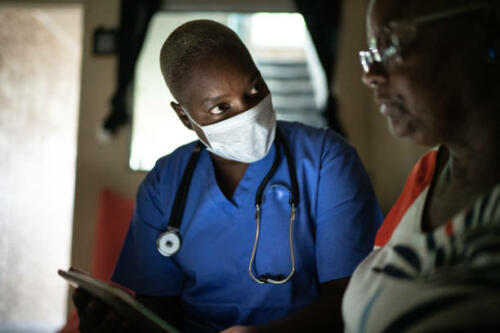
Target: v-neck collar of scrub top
{"points": [[245, 192]]}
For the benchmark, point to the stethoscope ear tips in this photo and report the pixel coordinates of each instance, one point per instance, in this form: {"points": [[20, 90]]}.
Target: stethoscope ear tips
{"points": [[168, 243]]}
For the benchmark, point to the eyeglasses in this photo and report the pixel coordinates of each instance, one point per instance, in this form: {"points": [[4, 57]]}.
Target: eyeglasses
{"points": [[386, 48]]}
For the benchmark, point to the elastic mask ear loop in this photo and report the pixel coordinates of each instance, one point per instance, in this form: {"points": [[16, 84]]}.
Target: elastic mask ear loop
{"points": [[199, 126]]}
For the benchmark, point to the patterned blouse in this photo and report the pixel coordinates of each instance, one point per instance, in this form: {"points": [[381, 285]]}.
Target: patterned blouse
{"points": [[447, 279]]}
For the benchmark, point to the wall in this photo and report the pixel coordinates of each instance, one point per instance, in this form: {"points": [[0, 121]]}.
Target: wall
{"points": [[39, 88], [99, 165]]}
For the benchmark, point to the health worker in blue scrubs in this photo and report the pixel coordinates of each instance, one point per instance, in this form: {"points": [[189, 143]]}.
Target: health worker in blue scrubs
{"points": [[206, 284]]}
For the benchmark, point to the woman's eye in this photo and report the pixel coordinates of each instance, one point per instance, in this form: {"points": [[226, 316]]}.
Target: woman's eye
{"points": [[254, 91], [218, 109]]}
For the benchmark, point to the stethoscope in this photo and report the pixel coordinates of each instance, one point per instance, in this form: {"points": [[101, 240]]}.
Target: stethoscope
{"points": [[168, 243]]}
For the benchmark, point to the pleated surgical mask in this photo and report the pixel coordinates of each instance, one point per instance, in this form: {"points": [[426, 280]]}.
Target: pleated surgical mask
{"points": [[246, 137]]}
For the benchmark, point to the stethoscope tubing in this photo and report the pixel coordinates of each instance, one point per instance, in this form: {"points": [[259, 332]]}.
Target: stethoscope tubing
{"points": [[262, 280], [168, 243]]}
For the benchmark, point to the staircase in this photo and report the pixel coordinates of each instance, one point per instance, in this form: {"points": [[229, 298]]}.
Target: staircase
{"points": [[292, 91]]}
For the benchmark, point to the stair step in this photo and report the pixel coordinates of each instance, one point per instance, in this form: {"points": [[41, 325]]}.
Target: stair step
{"points": [[290, 86], [293, 102], [312, 118], [284, 72], [288, 63]]}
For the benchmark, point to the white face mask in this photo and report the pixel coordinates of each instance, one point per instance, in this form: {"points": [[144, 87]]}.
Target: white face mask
{"points": [[246, 137]]}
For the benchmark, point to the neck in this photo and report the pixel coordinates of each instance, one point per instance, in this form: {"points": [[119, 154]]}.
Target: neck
{"points": [[475, 158], [228, 173], [225, 163]]}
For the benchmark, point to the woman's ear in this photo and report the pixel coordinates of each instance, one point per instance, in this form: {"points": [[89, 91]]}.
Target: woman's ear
{"points": [[181, 114]]}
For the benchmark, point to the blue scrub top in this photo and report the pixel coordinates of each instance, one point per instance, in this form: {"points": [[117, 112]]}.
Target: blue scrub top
{"points": [[336, 221]]}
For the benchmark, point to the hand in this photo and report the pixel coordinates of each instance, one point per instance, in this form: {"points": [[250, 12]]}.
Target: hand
{"points": [[240, 329], [96, 316]]}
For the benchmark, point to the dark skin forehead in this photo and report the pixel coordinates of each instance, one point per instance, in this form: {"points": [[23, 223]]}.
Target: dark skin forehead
{"points": [[215, 75]]}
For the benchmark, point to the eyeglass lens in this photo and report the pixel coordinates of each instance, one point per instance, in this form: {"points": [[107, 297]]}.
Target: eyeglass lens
{"points": [[383, 49]]}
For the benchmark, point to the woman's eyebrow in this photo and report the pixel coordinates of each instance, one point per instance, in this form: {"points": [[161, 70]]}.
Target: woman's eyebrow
{"points": [[255, 76], [211, 100]]}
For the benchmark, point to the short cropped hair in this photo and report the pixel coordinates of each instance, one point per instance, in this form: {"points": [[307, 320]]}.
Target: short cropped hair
{"points": [[192, 42]]}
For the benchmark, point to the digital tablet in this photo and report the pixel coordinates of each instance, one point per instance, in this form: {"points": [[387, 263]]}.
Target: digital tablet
{"points": [[119, 299]]}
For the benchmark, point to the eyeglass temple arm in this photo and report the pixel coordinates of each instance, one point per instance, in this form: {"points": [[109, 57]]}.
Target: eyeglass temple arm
{"points": [[448, 13]]}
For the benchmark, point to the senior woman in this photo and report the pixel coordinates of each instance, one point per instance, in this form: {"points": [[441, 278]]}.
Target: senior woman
{"points": [[434, 69]]}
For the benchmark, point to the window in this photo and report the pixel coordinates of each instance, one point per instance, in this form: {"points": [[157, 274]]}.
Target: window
{"points": [[282, 50]]}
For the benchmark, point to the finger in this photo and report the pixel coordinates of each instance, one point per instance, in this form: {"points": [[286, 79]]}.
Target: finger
{"points": [[111, 323], [95, 312], [127, 326], [80, 298]]}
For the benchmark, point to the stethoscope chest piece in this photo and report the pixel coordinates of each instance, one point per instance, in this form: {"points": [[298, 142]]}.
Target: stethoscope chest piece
{"points": [[168, 243]]}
